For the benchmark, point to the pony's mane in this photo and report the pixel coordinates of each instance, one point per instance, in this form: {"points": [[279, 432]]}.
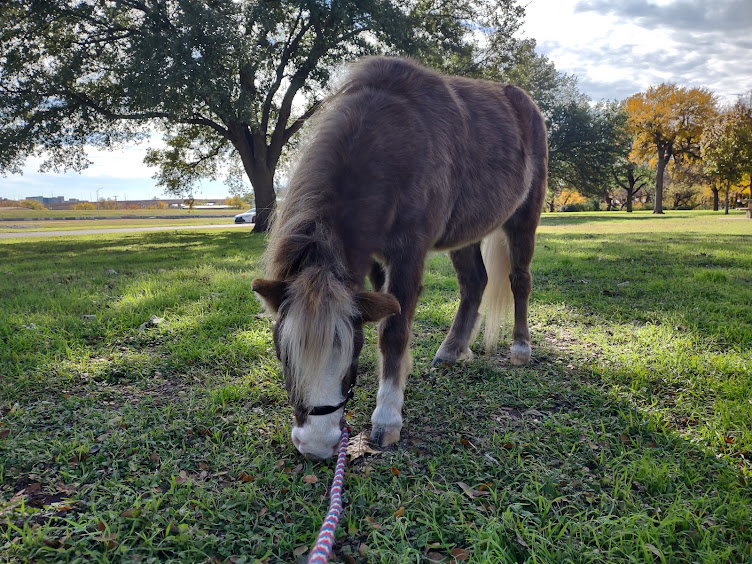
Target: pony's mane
{"points": [[317, 333]]}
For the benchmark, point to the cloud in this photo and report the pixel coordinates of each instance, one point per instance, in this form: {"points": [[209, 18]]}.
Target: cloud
{"points": [[623, 47], [723, 16]]}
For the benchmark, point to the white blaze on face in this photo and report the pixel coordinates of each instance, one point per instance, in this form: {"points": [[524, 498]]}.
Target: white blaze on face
{"points": [[320, 434]]}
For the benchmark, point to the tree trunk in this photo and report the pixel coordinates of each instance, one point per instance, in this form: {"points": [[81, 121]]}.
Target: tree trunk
{"points": [[262, 179], [714, 189], [630, 198], [253, 153], [728, 186], [662, 161]]}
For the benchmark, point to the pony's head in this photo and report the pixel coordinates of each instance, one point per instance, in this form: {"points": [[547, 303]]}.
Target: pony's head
{"points": [[318, 335]]}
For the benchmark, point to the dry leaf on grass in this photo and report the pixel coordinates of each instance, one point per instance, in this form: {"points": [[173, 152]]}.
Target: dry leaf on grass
{"points": [[471, 492], [359, 446], [300, 550], [375, 524], [460, 554], [310, 479]]}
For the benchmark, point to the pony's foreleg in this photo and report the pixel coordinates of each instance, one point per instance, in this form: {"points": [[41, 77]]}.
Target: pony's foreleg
{"points": [[472, 278], [404, 283]]}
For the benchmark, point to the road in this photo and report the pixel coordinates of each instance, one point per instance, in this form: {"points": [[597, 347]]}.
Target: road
{"points": [[119, 230]]}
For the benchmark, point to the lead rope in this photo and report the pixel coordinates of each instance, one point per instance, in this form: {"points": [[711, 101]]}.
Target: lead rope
{"points": [[322, 549]]}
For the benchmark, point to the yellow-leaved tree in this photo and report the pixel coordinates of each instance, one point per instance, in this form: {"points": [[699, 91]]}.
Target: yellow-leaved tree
{"points": [[667, 122]]}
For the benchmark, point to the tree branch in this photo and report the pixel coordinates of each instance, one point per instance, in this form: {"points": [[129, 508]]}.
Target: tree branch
{"points": [[84, 100], [290, 46]]}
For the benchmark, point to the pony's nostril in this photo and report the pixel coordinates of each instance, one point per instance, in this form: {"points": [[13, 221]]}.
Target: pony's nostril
{"points": [[297, 442]]}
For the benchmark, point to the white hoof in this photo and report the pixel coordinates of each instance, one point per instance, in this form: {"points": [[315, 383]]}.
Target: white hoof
{"points": [[520, 353]]}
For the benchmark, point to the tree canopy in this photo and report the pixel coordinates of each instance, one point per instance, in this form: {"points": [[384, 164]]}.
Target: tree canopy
{"points": [[727, 146], [228, 82], [667, 122]]}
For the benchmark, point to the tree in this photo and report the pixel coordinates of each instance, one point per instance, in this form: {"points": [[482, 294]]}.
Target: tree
{"points": [[727, 147], [667, 122], [226, 81], [585, 143]]}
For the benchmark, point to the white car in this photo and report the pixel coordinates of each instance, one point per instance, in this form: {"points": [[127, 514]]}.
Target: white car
{"points": [[246, 217]]}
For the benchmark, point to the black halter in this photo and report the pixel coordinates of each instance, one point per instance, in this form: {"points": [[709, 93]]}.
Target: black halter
{"points": [[327, 409]]}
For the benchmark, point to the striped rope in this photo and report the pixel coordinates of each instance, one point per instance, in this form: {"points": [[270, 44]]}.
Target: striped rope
{"points": [[322, 549]]}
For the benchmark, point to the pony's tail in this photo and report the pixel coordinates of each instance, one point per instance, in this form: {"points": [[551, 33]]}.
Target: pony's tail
{"points": [[497, 305]]}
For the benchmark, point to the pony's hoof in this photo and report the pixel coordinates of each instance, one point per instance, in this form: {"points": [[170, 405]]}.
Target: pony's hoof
{"points": [[441, 360], [385, 437], [438, 361], [520, 353]]}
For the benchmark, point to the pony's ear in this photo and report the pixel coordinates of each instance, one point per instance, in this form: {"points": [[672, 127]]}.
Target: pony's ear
{"points": [[271, 292], [374, 306]]}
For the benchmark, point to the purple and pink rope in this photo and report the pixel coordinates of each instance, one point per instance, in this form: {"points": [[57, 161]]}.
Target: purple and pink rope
{"points": [[322, 549]]}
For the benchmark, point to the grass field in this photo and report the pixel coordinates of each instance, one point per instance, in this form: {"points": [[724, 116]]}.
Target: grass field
{"points": [[18, 221], [628, 438]]}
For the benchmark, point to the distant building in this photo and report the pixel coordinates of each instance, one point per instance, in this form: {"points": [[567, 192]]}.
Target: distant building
{"points": [[48, 201]]}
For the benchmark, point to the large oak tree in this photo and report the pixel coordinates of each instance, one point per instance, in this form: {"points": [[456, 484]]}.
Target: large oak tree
{"points": [[227, 81]]}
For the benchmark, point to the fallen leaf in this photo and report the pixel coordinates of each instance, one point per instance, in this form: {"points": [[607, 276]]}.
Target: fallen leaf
{"points": [[133, 512], [375, 524], [654, 550], [52, 543], [363, 549], [310, 479], [359, 446], [348, 558], [467, 443], [154, 457], [35, 487], [400, 512], [245, 477], [434, 557], [470, 491], [263, 511], [460, 554], [297, 469], [109, 540], [101, 526], [300, 550], [4, 433], [395, 471], [181, 478]]}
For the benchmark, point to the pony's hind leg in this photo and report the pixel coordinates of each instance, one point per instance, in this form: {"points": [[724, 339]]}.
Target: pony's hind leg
{"points": [[472, 278], [520, 230], [404, 283]]}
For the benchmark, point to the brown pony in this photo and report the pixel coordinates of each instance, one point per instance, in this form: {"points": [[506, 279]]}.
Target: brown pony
{"points": [[401, 161]]}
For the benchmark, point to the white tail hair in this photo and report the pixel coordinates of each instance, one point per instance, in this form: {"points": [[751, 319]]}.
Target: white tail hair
{"points": [[497, 305]]}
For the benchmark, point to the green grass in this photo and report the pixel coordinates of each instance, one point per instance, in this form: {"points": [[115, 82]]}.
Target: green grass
{"points": [[20, 221], [627, 439]]}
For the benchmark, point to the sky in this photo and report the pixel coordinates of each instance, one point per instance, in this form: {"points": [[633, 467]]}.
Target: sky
{"points": [[614, 47]]}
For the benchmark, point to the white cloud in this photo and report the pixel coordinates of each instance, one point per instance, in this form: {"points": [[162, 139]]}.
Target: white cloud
{"points": [[619, 48]]}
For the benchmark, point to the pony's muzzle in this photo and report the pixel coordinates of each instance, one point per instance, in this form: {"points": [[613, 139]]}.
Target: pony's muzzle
{"points": [[317, 440]]}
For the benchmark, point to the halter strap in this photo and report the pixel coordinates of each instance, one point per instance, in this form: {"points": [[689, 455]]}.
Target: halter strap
{"points": [[327, 409]]}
